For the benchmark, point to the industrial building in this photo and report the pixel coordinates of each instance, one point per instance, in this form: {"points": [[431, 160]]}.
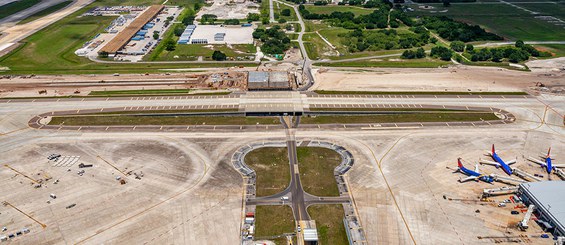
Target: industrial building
{"points": [[218, 34], [186, 34], [259, 80], [133, 30], [548, 197]]}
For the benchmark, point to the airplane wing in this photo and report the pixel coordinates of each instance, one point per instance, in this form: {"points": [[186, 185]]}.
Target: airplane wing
{"points": [[558, 165], [482, 161], [468, 178], [512, 161], [534, 160]]}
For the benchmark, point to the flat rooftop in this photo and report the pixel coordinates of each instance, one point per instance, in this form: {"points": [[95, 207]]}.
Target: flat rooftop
{"points": [[234, 34], [549, 196], [120, 40]]}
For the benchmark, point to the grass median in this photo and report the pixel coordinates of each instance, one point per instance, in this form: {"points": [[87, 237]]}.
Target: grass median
{"points": [[153, 92], [15, 7], [397, 118], [329, 223], [316, 166], [273, 221], [45, 12], [108, 120], [382, 109], [272, 168]]}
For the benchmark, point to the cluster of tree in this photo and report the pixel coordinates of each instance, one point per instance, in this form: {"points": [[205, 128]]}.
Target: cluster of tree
{"points": [[218, 55], [253, 17], [285, 12], [359, 40], [208, 19], [274, 40], [441, 52], [297, 1], [231, 22], [170, 45], [520, 52], [457, 31], [414, 54], [320, 3], [348, 20], [186, 20]]}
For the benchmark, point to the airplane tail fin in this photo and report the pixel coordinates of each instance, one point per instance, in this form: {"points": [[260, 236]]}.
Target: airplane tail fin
{"points": [[459, 163], [548, 152], [493, 151]]}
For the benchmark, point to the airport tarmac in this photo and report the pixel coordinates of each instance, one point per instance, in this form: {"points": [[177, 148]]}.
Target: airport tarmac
{"points": [[190, 193]]}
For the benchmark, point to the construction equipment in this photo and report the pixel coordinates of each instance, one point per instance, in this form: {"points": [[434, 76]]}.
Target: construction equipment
{"points": [[5, 203], [524, 223]]}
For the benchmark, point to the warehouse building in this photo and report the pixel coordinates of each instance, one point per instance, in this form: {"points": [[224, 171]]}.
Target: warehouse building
{"points": [[133, 30], [260, 80], [548, 197], [186, 34]]}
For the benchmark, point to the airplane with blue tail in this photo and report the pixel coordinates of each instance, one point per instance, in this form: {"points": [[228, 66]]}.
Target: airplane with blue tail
{"points": [[546, 163], [498, 162], [473, 175]]}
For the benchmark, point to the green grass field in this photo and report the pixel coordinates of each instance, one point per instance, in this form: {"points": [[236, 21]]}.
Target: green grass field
{"points": [[556, 9], [315, 46], [278, 7], [505, 20], [389, 62], [45, 12], [141, 92], [273, 220], [17, 6], [329, 223], [328, 9], [395, 118], [272, 168], [193, 51], [316, 166], [82, 120], [184, 92]]}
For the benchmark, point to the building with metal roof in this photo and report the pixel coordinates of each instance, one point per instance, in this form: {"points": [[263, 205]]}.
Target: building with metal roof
{"points": [[257, 80], [122, 38], [260, 80], [310, 235], [549, 200]]}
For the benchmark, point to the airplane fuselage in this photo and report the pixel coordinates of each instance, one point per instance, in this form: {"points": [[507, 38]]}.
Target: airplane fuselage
{"points": [[469, 172], [548, 166], [505, 167]]}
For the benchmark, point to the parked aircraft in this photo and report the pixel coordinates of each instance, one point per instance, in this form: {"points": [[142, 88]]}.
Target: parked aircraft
{"points": [[546, 163], [498, 162], [473, 175]]}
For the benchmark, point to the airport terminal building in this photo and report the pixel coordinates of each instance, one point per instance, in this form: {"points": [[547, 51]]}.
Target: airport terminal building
{"points": [[549, 200]]}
